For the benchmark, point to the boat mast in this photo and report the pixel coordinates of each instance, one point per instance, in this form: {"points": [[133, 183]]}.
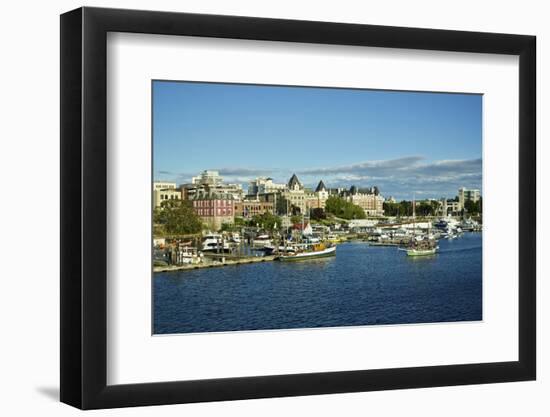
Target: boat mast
{"points": [[414, 215]]}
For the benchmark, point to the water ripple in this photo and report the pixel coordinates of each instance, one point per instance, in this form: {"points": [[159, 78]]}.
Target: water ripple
{"points": [[362, 285]]}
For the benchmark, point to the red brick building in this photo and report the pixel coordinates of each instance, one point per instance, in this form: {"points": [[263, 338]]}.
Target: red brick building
{"points": [[214, 209]]}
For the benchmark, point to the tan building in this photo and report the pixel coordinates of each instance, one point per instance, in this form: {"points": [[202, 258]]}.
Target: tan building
{"points": [[450, 207], [372, 204], [161, 195], [163, 185], [294, 196], [465, 194], [250, 208], [321, 195]]}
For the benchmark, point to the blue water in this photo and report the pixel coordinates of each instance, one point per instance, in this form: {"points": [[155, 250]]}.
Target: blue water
{"points": [[362, 285]]}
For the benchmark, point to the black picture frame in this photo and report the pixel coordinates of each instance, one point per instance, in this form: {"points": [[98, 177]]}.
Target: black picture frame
{"points": [[84, 207]]}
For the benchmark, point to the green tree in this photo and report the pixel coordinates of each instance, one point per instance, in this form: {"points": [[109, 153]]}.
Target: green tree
{"points": [[344, 209], [267, 221], [334, 205], [239, 221], [425, 208], [295, 219], [318, 214], [391, 209], [473, 208], [176, 217]]}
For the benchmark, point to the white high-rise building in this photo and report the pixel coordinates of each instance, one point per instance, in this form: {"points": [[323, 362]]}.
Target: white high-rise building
{"points": [[263, 185], [208, 177], [467, 195]]}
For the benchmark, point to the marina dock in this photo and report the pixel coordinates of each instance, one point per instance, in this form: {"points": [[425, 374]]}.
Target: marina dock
{"points": [[216, 260]]}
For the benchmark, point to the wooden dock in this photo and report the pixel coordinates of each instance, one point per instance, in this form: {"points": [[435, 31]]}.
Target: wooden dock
{"points": [[215, 261]]}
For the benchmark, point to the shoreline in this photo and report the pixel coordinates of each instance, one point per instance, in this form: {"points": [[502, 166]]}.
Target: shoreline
{"points": [[227, 262]]}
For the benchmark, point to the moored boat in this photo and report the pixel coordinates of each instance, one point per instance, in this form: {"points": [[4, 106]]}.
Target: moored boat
{"points": [[421, 245], [261, 241], [421, 252], [214, 242], [318, 250]]}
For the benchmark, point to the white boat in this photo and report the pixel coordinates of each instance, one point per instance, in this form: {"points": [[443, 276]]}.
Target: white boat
{"points": [[421, 252], [235, 238], [262, 241], [215, 242], [187, 255]]}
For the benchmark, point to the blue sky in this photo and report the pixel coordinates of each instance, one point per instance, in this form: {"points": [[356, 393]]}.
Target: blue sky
{"points": [[406, 143]]}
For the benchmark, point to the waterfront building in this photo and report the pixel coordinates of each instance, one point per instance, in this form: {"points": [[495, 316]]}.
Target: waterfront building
{"points": [[165, 194], [163, 185], [450, 207], [214, 209], [362, 225], [312, 201], [235, 190], [455, 207], [263, 185], [210, 182], [465, 194], [321, 194], [369, 199], [187, 191], [250, 208], [294, 197]]}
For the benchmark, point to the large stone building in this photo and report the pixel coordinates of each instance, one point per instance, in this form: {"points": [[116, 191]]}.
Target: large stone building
{"points": [[293, 199], [369, 199], [163, 185], [373, 205], [321, 195], [250, 208], [214, 209], [164, 191]]}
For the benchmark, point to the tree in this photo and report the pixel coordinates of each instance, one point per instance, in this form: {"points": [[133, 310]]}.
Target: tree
{"points": [[426, 208], [391, 209], [239, 221], [473, 208], [267, 221], [176, 217], [344, 209], [295, 219], [318, 214]]}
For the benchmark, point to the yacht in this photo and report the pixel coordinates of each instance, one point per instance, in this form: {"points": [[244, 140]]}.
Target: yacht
{"points": [[261, 241], [215, 242]]}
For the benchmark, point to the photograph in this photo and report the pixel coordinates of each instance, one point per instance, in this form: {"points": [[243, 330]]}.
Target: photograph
{"points": [[294, 207]]}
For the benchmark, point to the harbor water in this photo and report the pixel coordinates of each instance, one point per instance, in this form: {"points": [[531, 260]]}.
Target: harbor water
{"points": [[361, 285]]}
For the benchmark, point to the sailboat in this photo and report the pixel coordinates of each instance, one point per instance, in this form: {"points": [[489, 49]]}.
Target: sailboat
{"points": [[309, 251], [422, 247]]}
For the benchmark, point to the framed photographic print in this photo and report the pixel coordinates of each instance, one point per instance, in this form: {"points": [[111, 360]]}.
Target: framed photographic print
{"points": [[258, 207]]}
